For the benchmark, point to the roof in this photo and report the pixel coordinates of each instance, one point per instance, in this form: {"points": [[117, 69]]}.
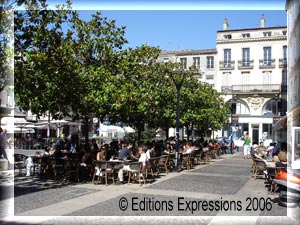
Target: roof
{"points": [[249, 29]]}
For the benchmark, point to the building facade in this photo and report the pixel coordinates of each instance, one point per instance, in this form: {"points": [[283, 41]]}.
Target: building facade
{"points": [[252, 77], [205, 60], [293, 115], [249, 69]]}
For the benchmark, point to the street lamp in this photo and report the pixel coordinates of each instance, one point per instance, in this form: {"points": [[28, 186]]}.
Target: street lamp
{"points": [[178, 85], [231, 122]]}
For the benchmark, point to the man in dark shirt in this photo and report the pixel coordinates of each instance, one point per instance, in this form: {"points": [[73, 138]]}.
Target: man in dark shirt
{"points": [[125, 152]]}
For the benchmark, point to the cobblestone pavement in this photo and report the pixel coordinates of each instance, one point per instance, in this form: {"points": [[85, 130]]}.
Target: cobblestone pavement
{"points": [[221, 192]]}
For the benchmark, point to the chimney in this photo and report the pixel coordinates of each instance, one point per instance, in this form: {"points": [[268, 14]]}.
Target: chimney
{"points": [[262, 21], [225, 24]]}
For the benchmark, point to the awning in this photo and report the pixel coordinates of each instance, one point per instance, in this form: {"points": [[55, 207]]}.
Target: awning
{"points": [[280, 124], [18, 130]]}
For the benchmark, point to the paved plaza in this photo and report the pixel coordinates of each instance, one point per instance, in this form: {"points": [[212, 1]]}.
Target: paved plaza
{"points": [[221, 192]]}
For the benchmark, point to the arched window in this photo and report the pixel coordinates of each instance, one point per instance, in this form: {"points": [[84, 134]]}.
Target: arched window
{"points": [[239, 107], [275, 107]]}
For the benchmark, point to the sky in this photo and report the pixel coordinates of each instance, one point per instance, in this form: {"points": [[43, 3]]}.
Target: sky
{"points": [[174, 24]]}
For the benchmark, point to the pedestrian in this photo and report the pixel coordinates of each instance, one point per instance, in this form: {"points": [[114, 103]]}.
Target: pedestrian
{"points": [[247, 142], [3, 142]]}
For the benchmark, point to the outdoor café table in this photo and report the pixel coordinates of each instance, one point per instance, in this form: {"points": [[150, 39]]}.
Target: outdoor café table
{"points": [[118, 164]]}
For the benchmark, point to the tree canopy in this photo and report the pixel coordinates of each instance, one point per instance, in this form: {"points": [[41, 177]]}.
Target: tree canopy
{"points": [[72, 67]]}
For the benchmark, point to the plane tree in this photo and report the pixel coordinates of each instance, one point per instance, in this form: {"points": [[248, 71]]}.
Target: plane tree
{"points": [[65, 66]]}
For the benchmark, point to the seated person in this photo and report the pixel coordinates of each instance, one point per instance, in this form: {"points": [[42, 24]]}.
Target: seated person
{"points": [[143, 158], [29, 163], [188, 148], [125, 152], [260, 150], [101, 155], [282, 160]]}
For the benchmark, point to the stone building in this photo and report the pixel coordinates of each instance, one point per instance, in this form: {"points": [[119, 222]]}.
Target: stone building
{"points": [[249, 68], [292, 121], [252, 77]]}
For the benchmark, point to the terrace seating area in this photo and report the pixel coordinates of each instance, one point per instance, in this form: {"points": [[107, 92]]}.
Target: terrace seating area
{"points": [[280, 181], [70, 167]]}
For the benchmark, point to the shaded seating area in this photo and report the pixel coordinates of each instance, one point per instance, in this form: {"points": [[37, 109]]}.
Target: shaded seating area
{"points": [[69, 167], [258, 168], [152, 168], [163, 164], [105, 171], [185, 162], [137, 173], [19, 163]]}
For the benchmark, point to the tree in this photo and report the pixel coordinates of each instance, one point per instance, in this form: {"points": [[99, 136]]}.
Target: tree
{"points": [[6, 44], [65, 65]]}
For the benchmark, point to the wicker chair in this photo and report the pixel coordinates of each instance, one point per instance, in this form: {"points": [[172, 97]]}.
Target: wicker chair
{"points": [[136, 172]]}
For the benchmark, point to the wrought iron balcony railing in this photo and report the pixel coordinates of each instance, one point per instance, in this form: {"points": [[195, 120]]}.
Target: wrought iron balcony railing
{"points": [[251, 89], [282, 63], [263, 63], [227, 65], [248, 64]]}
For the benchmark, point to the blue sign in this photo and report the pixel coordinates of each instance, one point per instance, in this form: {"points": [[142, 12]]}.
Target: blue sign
{"points": [[106, 122]]}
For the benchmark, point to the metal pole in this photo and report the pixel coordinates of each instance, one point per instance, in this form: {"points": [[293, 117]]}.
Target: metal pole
{"points": [[231, 131], [231, 123], [48, 129], [178, 86]]}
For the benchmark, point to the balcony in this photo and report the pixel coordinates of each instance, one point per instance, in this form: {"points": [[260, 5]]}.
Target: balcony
{"points": [[282, 63], [266, 64], [228, 65], [245, 65], [252, 89]]}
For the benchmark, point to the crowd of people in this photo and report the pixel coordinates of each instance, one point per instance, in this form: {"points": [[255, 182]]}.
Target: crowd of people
{"points": [[275, 154], [73, 147]]}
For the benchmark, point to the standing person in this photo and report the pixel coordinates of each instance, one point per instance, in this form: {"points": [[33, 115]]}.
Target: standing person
{"points": [[247, 142], [75, 140], [3, 142]]}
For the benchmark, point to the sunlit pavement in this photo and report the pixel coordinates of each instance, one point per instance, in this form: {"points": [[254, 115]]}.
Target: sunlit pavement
{"points": [[176, 198]]}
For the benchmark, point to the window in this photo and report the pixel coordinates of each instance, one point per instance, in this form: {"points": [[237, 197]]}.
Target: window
{"points": [[166, 59], [267, 56], [284, 32], [183, 63], [196, 61], [210, 62], [267, 131], [246, 56], [227, 57], [246, 35], [267, 34], [240, 108], [284, 49], [10, 101], [228, 36]]}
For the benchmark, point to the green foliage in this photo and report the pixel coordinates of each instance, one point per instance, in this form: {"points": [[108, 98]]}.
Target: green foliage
{"points": [[77, 68]]}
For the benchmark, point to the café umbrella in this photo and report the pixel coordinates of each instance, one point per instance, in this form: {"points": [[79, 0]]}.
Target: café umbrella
{"points": [[111, 131]]}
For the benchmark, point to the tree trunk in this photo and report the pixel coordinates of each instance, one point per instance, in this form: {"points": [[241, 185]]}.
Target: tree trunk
{"points": [[167, 132], [86, 130], [139, 132]]}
